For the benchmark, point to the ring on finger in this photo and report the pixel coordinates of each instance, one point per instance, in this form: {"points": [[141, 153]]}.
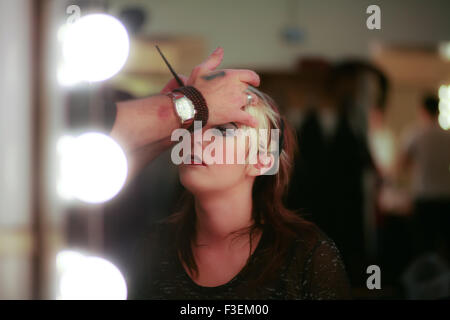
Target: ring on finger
{"points": [[249, 98]]}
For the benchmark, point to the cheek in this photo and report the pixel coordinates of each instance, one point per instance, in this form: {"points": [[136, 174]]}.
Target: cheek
{"points": [[230, 150], [227, 150], [235, 150]]}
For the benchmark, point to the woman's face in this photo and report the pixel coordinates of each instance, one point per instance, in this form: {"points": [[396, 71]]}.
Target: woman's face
{"points": [[202, 178]]}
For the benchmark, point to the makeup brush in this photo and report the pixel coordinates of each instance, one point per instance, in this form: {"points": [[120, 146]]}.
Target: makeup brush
{"points": [[170, 68]]}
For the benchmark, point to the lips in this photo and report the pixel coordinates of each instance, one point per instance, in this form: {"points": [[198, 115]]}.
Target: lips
{"points": [[194, 160]]}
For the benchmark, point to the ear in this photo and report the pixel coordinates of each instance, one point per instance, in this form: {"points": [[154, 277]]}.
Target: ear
{"points": [[264, 164]]}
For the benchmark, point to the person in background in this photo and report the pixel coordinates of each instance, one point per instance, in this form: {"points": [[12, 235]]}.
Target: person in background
{"points": [[427, 153], [329, 178]]}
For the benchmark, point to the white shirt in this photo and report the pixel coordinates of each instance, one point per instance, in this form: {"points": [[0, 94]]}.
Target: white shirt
{"points": [[429, 150]]}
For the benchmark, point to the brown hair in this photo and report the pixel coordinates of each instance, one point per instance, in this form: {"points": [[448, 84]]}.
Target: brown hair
{"points": [[279, 224]]}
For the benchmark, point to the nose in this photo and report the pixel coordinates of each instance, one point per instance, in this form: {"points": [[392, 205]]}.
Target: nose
{"points": [[197, 143]]}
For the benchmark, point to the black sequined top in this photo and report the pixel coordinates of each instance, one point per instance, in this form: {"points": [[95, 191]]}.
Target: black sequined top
{"points": [[312, 270]]}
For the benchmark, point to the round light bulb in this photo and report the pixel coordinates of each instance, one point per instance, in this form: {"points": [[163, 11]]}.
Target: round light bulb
{"points": [[95, 48], [93, 167], [89, 278]]}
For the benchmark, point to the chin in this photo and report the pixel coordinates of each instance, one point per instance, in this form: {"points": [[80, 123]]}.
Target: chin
{"points": [[198, 183], [194, 181]]}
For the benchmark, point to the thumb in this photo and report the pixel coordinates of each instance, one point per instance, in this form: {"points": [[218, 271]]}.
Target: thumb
{"points": [[213, 61], [173, 84]]}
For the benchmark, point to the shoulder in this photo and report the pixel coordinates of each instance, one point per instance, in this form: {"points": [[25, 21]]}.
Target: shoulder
{"points": [[316, 270], [314, 248], [310, 238], [323, 272], [324, 243]]}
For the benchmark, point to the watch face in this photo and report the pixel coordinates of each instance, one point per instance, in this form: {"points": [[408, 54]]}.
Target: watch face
{"points": [[185, 109]]}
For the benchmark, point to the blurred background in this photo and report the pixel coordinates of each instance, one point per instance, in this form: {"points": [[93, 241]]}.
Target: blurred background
{"points": [[371, 108]]}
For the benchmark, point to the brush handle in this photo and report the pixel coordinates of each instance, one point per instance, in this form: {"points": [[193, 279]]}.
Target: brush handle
{"points": [[170, 68]]}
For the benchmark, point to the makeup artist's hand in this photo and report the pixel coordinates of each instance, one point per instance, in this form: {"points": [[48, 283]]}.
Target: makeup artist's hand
{"points": [[173, 84], [223, 90]]}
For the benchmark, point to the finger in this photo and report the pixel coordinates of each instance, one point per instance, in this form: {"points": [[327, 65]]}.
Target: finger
{"points": [[248, 76], [213, 61], [173, 84], [243, 97], [194, 75], [183, 78], [247, 119]]}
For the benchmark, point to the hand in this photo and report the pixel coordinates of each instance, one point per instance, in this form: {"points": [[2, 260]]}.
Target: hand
{"points": [[223, 90], [173, 84]]}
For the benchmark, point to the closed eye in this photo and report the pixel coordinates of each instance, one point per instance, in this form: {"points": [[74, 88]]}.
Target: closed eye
{"points": [[227, 129]]}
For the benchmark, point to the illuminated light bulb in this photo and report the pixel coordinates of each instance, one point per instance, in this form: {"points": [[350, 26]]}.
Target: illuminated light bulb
{"points": [[444, 92], [444, 107], [67, 258], [95, 48], [444, 120], [68, 77], [93, 167], [444, 50], [89, 278]]}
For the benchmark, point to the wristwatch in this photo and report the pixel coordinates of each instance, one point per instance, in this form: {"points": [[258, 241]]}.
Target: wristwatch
{"points": [[190, 106], [184, 108]]}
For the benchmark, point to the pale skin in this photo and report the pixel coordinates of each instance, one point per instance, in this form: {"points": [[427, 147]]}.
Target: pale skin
{"points": [[223, 201]]}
